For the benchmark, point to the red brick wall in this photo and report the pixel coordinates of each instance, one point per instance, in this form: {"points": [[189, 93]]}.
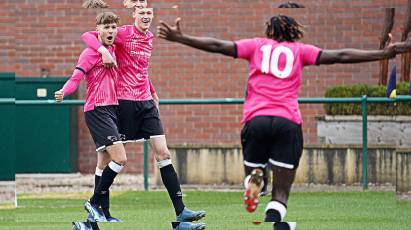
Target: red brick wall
{"points": [[47, 35], [7, 42]]}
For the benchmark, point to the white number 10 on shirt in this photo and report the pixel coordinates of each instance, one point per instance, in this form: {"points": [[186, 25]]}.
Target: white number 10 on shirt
{"points": [[271, 60]]}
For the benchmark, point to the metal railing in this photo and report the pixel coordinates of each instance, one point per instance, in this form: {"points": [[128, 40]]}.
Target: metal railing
{"points": [[364, 101]]}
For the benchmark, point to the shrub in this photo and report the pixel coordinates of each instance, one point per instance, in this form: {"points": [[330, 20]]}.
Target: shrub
{"points": [[403, 108]]}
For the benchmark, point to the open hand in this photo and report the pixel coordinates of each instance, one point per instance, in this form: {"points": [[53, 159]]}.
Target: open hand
{"points": [[390, 50], [168, 32]]}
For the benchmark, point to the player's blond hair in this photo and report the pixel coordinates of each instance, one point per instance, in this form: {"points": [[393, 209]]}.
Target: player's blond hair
{"points": [[94, 4]]}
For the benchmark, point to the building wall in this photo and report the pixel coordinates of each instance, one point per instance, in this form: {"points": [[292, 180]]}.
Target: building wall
{"points": [[319, 164], [46, 38]]}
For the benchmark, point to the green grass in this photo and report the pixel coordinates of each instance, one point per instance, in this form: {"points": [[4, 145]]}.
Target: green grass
{"points": [[152, 210]]}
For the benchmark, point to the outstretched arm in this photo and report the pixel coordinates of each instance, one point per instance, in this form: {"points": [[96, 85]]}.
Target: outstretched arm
{"points": [[357, 56], [174, 34], [354, 55], [403, 47]]}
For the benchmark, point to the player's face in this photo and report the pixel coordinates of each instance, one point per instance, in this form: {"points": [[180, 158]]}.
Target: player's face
{"points": [[107, 33], [143, 18], [135, 3]]}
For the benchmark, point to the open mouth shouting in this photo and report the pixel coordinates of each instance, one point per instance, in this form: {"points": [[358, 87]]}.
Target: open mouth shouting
{"points": [[146, 21]]}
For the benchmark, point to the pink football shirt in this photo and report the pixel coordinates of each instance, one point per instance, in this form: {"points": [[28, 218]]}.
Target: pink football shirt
{"points": [[274, 82], [100, 81], [133, 55]]}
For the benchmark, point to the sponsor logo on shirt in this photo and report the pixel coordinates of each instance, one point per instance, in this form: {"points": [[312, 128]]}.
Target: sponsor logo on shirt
{"points": [[140, 53]]}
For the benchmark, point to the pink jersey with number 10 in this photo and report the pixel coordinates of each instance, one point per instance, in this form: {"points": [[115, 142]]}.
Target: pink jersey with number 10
{"points": [[274, 76]]}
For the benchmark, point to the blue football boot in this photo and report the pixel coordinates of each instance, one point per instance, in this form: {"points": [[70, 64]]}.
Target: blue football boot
{"points": [[95, 212], [93, 223], [113, 219], [109, 218], [188, 215], [190, 226], [82, 226]]}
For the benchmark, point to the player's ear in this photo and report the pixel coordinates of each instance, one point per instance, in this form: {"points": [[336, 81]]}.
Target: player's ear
{"points": [[134, 12]]}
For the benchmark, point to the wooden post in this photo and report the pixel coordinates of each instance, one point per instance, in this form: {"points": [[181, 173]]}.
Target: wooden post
{"points": [[405, 58], [388, 25]]}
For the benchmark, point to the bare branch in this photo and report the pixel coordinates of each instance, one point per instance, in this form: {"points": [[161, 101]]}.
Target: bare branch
{"points": [[405, 58]]}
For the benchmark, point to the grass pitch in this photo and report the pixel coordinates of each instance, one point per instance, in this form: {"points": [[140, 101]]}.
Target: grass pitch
{"points": [[153, 211]]}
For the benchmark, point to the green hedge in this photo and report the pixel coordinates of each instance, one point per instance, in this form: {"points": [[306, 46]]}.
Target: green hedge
{"points": [[403, 108]]}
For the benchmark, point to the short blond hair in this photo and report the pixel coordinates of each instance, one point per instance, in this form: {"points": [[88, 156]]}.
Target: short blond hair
{"points": [[127, 2], [94, 4], [107, 18]]}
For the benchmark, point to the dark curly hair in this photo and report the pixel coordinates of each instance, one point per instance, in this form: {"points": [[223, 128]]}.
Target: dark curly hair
{"points": [[284, 28], [291, 5]]}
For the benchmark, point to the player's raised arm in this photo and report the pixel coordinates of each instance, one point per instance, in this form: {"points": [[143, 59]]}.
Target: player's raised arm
{"points": [[357, 56], [174, 34], [91, 40], [354, 55], [402, 47]]}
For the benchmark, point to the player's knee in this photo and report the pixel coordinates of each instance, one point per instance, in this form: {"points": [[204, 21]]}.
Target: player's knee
{"points": [[101, 165], [163, 154], [123, 161]]}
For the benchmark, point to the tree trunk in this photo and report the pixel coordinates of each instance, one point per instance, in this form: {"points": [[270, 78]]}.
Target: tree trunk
{"points": [[405, 58], [388, 25]]}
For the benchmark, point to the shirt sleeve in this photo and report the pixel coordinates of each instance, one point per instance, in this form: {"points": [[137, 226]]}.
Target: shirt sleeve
{"points": [[87, 60], [91, 40], [73, 83], [245, 48], [310, 54]]}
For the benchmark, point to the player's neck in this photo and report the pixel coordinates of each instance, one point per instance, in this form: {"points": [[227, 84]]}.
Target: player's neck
{"points": [[101, 42], [140, 30]]}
